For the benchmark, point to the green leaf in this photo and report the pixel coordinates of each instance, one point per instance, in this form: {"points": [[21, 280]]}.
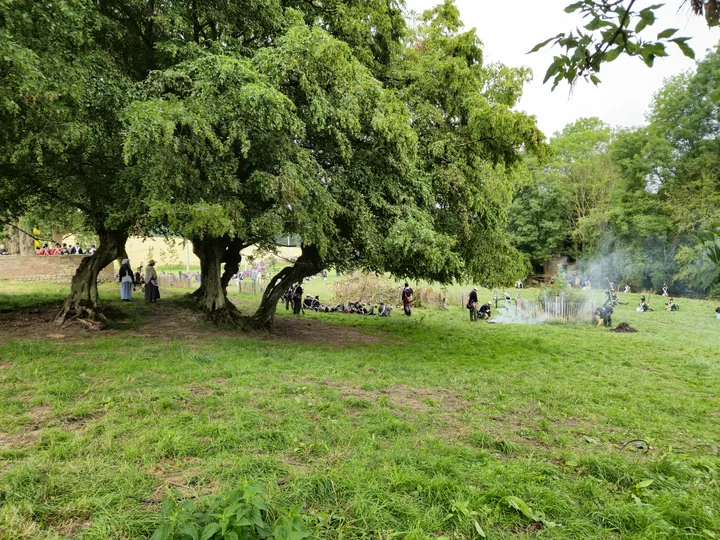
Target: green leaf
{"points": [[521, 506], [665, 34], [209, 530], [595, 79], [597, 23], [189, 529], [644, 484], [539, 46], [640, 26], [479, 529], [684, 47], [553, 69], [574, 7], [612, 54]]}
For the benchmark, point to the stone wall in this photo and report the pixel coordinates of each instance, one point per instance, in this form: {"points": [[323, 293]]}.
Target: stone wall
{"points": [[48, 269]]}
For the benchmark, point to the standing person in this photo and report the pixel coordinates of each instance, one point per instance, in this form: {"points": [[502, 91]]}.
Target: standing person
{"points": [[127, 281], [152, 288], [139, 278], [472, 305], [627, 288], [407, 298], [665, 290], [608, 297], [605, 315], [297, 299], [288, 297]]}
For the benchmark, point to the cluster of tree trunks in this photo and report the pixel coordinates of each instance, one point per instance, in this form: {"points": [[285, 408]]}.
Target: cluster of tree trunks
{"points": [[210, 298]]}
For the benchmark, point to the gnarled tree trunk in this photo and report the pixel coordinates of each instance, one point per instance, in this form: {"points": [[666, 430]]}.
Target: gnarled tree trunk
{"points": [[308, 264], [232, 260], [82, 302], [211, 297]]}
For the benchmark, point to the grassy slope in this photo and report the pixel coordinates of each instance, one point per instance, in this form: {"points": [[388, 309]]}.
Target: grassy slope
{"points": [[438, 418]]}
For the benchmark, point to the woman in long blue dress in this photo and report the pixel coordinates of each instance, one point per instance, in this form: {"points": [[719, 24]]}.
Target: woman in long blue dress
{"points": [[127, 281]]}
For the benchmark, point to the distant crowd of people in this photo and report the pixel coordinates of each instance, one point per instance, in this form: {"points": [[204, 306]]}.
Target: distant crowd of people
{"points": [[64, 249]]}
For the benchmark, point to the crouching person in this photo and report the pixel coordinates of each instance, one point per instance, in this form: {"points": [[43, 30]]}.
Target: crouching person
{"points": [[485, 311], [604, 315]]}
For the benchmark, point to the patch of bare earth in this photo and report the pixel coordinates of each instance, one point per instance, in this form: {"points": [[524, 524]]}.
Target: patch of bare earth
{"points": [[185, 476], [414, 399], [304, 330], [171, 321], [27, 438], [41, 417]]}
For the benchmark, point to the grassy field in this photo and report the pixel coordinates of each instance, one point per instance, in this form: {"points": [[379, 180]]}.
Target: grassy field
{"points": [[422, 427]]}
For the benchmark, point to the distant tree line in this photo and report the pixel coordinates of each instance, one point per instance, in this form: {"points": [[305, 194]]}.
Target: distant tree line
{"points": [[633, 203]]}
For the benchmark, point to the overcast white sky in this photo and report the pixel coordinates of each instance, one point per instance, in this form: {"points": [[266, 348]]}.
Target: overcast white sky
{"points": [[509, 29]]}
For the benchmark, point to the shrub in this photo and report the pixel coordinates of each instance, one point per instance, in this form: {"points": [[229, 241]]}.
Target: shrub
{"points": [[240, 514]]}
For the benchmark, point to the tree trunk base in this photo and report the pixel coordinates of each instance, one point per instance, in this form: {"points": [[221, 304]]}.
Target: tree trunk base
{"points": [[228, 315], [82, 302], [79, 308]]}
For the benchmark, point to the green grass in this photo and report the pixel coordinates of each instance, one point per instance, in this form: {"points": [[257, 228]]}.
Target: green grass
{"points": [[428, 425]]}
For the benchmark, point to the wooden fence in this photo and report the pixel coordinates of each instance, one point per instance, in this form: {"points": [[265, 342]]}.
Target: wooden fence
{"points": [[171, 280], [554, 309]]}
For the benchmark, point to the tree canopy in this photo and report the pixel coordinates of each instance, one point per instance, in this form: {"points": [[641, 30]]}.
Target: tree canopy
{"points": [[228, 123]]}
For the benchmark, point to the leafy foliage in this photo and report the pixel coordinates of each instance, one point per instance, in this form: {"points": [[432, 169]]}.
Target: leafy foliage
{"points": [[614, 28], [638, 204], [240, 514]]}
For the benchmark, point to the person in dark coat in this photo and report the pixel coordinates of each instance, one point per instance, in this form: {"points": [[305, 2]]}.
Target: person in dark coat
{"points": [[297, 299], [485, 311], [127, 281], [407, 298], [604, 314], [472, 305]]}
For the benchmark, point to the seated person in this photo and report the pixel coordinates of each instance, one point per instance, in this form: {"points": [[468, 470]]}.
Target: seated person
{"points": [[384, 311], [3, 251], [484, 311], [308, 301], [604, 313], [717, 312], [616, 301], [644, 305], [671, 305]]}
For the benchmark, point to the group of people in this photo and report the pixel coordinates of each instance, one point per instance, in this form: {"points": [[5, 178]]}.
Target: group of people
{"points": [[478, 312], [147, 281], [293, 296], [64, 249]]}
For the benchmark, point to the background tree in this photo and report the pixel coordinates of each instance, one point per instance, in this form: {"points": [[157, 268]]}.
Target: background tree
{"points": [[552, 212]]}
